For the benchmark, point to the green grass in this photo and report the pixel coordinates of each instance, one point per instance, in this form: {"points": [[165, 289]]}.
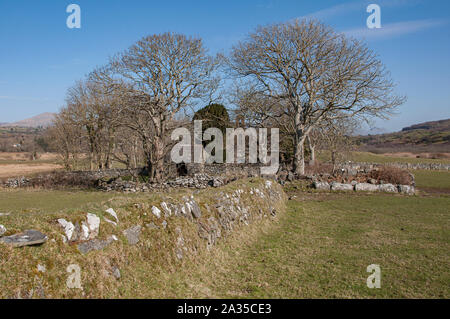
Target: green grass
{"points": [[144, 267], [377, 158], [321, 249], [48, 201], [368, 157], [432, 179]]}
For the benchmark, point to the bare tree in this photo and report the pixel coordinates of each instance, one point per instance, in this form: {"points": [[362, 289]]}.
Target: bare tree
{"points": [[156, 78], [95, 112], [65, 137], [333, 136], [314, 73], [337, 138]]}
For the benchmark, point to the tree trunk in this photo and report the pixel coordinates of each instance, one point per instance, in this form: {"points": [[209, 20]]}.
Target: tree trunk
{"points": [[299, 152], [135, 153], [333, 159], [299, 157], [312, 151], [158, 156], [91, 160], [313, 155]]}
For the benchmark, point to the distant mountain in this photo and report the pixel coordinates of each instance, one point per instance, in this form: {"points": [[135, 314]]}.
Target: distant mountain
{"points": [[44, 119], [438, 126], [433, 136]]}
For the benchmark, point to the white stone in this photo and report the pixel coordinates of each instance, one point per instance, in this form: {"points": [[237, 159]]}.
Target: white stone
{"points": [[268, 184], [387, 188], [406, 189], [341, 187], [110, 221], [322, 186], [366, 187], [112, 213], [84, 231], [167, 210], [156, 211], [2, 230], [187, 209], [69, 228], [41, 268], [93, 222]]}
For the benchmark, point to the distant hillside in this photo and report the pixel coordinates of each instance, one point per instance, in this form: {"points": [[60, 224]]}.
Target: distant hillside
{"points": [[436, 126], [429, 136], [44, 119]]}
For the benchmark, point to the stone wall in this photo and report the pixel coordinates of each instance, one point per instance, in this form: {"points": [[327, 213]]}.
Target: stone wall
{"points": [[163, 231], [235, 170], [212, 216], [365, 187], [410, 166], [69, 178]]}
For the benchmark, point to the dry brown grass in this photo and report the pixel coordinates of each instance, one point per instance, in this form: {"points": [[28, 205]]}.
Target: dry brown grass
{"points": [[14, 170], [391, 174], [25, 156]]}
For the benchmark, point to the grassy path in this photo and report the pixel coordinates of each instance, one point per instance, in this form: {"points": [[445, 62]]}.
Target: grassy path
{"points": [[321, 248]]}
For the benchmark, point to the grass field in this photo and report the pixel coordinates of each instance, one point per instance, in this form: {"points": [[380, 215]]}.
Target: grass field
{"points": [[380, 158], [367, 157], [48, 201], [320, 247], [433, 180]]}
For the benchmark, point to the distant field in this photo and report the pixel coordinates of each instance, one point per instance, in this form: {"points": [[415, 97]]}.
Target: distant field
{"points": [[13, 170], [23, 158], [380, 158], [432, 179], [48, 201]]}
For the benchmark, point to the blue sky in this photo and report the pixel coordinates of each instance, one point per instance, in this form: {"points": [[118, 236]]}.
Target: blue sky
{"points": [[40, 57]]}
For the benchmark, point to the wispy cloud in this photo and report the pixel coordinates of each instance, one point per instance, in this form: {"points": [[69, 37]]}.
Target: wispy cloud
{"points": [[395, 29], [334, 10], [349, 7]]}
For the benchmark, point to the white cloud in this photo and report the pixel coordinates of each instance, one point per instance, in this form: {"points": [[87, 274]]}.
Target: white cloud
{"points": [[354, 6], [395, 29], [335, 10]]}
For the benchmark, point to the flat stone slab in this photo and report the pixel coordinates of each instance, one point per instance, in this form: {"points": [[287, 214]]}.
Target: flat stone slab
{"points": [[322, 186], [132, 234], [341, 187], [366, 187], [27, 238]]}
